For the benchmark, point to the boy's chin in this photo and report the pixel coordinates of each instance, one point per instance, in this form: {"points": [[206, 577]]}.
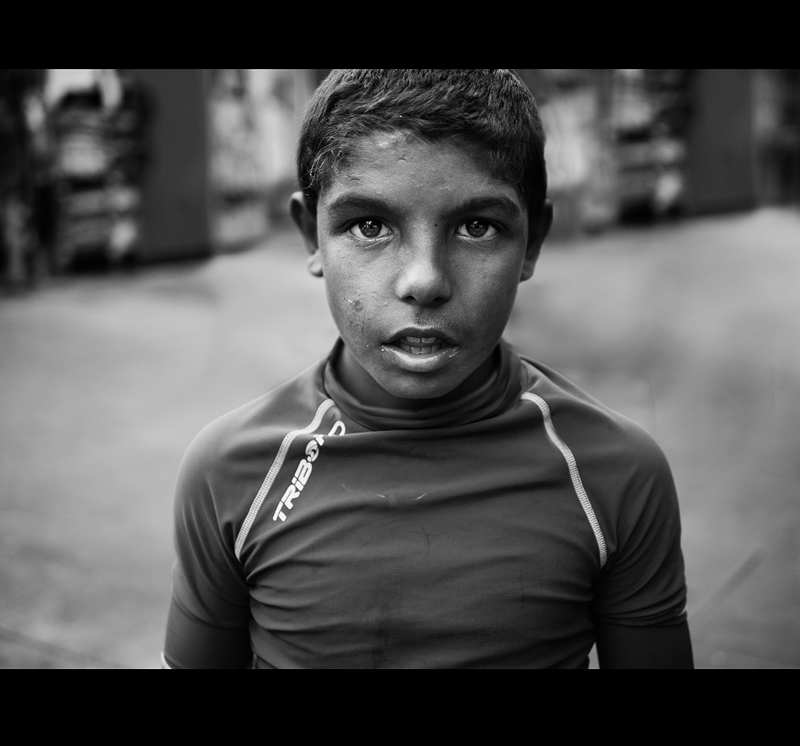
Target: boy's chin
{"points": [[441, 384], [419, 387], [403, 389], [391, 382]]}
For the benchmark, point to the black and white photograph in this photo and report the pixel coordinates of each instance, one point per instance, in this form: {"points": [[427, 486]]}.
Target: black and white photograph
{"points": [[399, 368]]}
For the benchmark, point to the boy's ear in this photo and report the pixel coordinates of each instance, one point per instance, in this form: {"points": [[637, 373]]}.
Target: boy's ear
{"points": [[306, 222], [539, 226]]}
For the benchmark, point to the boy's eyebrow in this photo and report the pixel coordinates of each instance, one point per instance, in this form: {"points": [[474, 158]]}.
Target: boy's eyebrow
{"points": [[350, 201], [487, 203]]}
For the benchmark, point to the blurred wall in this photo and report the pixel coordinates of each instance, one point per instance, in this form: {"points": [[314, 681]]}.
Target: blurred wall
{"points": [[221, 148], [721, 167], [637, 145], [175, 201]]}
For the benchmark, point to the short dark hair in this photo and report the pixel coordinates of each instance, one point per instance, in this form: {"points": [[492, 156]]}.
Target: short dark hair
{"points": [[491, 112]]}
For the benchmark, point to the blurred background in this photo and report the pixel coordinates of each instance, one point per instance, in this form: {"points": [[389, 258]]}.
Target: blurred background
{"points": [[150, 282]]}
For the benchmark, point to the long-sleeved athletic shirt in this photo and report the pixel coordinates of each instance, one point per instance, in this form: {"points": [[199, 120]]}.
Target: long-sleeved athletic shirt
{"points": [[494, 531]]}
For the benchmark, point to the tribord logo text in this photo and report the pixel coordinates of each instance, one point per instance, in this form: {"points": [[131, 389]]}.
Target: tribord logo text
{"points": [[303, 471]]}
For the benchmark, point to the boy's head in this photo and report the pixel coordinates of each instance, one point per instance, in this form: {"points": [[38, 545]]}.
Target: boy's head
{"points": [[423, 205], [492, 113]]}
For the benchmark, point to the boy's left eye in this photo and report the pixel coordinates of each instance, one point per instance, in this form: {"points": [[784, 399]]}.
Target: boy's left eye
{"points": [[477, 229]]}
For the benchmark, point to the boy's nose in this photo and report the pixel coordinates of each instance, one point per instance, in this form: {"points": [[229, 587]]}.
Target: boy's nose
{"points": [[423, 277]]}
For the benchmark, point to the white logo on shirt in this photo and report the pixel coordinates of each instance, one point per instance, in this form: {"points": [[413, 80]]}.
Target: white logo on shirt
{"points": [[303, 471]]}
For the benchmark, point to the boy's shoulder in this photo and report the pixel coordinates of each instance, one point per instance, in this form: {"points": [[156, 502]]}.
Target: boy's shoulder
{"points": [[246, 437], [620, 465], [583, 420]]}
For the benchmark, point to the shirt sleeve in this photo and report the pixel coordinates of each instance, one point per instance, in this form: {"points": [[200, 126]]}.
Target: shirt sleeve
{"points": [[643, 582], [209, 613]]}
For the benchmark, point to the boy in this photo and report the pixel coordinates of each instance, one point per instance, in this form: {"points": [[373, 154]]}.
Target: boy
{"points": [[425, 497]]}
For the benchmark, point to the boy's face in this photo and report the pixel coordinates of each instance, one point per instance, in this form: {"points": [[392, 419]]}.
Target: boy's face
{"points": [[422, 251]]}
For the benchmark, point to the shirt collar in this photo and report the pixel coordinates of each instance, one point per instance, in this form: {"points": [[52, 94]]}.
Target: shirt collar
{"points": [[493, 397]]}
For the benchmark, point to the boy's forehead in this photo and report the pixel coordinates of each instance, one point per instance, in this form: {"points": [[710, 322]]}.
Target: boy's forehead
{"points": [[399, 164], [395, 141]]}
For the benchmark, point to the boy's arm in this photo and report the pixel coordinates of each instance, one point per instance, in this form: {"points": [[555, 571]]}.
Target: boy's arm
{"points": [[209, 612], [644, 647], [192, 643], [640, 597]]}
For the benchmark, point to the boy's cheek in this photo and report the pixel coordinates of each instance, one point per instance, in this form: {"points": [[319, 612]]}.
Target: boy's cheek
{"points": [[348, 310]]}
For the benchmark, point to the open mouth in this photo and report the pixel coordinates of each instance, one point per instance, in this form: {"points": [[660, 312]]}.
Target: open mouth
{"points": [[420, 345], [421, 350]]}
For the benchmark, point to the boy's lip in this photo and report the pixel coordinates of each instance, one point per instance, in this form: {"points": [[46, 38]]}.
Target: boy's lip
{"points": [[421, 349]]}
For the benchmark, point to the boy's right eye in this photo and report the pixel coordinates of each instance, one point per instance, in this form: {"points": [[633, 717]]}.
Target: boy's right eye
{"points": [[369, 228]]}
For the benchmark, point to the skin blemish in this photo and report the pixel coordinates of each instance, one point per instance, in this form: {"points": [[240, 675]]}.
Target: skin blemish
{"points": [[357, 305]]}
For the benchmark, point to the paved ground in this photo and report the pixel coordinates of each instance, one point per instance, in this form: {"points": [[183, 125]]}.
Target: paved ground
{"points": [[692, 329]]}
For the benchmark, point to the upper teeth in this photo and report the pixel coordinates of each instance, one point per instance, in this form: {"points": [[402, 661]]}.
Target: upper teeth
{"points": [[421, 340]]}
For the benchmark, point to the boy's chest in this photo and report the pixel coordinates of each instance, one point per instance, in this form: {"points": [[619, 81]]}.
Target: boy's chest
{"points": [[422, 552]]}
